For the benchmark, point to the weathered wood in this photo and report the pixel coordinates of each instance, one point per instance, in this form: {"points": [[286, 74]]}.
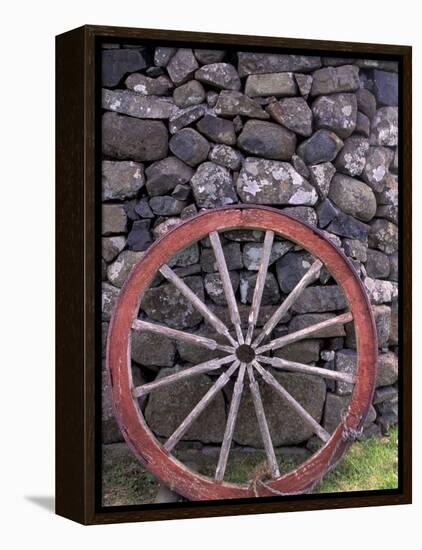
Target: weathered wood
{"points": [[227, 284], [200, 407], [305, 333], [308, 278], [297, 407], [260, 284], [213, 364], [262, 423], [180, 335], [230, 425], [208, 315], [279, 363]]}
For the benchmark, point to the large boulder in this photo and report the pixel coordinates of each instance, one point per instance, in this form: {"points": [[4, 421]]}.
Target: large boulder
{"points": [[136, 105], [261, 63], [121, 180], [267, 139], [330, 80], [293, 113], [272, 84], [322, 146], [353, 197], [164, 175], [336, 112], [189, 146], [213, 186]]}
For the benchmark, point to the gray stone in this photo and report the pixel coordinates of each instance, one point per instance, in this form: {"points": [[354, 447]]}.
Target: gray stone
{"points": [[265, 313], [217, 129], [394, 267], [164, 175], [164, 226], [189, 146], [117, 63], [214, 286], [271, 294], [385, 127], [109, 295], [114, 219], [140, 237], [187, 257], [162, 56], [264, 181], [363, 125], [148, 86], [378, 161], [152, 349], [293, 113], [382, 316], [367, 103], [322, 146], [268, 140], [166, 206], [126, 137], [185, 117], [303, 213], [384, 236], [348, 226], [119, 270], [182, 66], [377, 64], [380, 291], [155, 72], [231, 103], [191, 93], [319, 299], [327, 212], [136, 105], [111, 246], [272, 84], [121, 180], [385, 393], [357, 250], [225, 156], [352, 158], [304, 83], [377, 264], [336, 112], [329, 80], [143, 210], [206, 57], [244, 235], [212, 186], [390, 192], [212, 98], [388, 369], [219, 75], [291, 268], [197, 354], [335, 406], [110, 431], [166, 305], [386, 87], [300, 166], [389, 212], [305, 351], [252, 253], [232, 255], [181, 192], [353, 197], [346, 361], [321, 176], [261, 63], [168, 406]]}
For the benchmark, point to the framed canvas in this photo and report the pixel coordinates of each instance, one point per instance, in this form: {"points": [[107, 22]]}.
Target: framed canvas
{"points": [[233, 274]]}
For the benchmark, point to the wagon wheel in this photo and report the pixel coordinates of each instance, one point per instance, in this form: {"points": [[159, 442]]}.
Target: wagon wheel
{"points": [[245, 358]]}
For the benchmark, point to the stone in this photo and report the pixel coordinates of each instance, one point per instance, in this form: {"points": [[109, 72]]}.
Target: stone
{"points": [[182, 66], [302, 213], [321, 176], [348, 226], [293, 113], [264, 181], [383, 235], [300, 167], [285, 425], [145, 85], [367, 103], [322, 146], [164, 175], [231, 103], [382, 316], [305, 351], [121, 180], [187, 257], [111, 247], [126, 137], [152, 349], [394, 267], [162, 56], [385, 393], [181, 192], [143, 210], [140, 237], [270, 295], [335, 406], [261, 63], [300, 322], [377, 264], [304, 83], [136, 105], [389, 212], [291, 268], [114, 219], [110, 431], [390, 192], [252, 253], [268, 140], [185, 117], [217, 129], [191, 93], [219, 75], [244, 235], [169, 405], [363, 125], [205, 57], [214, 286], [212, 98], [212, 186], [377, 64], [380, 291], [164, 226], [166, 304], [388, 369], [117, 63], [119, 270], [326, 212], [345, 362], [330, 80], [154, 72], [109, 295], [385, 127], [352, 158], [273, 84], [190, 146], [197, 354], [357, 250], [166, 206], [225, 156], [353, 197], [336, 112], [375, 172], [232, 254], [386, 87], [319, 299]]}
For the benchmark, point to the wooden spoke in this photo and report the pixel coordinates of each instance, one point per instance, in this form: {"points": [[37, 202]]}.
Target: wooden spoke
{"points": [[213, 364], [227, 284], [208, 315], [230, 425], [262, 423], [279, 363], [308, 278], [308, 419], [180, 335], [305, 333], [260, 284], [200, 407]]}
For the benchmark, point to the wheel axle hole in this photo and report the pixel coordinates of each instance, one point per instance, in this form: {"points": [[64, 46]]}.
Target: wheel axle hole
{"points": [[245, 353]]}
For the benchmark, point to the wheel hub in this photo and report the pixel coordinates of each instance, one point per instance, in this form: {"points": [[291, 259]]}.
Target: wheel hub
{"points": [[245, 353]]}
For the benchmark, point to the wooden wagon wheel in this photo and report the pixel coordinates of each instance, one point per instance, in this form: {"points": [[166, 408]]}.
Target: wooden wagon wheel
{"points": [[244, 360]]}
